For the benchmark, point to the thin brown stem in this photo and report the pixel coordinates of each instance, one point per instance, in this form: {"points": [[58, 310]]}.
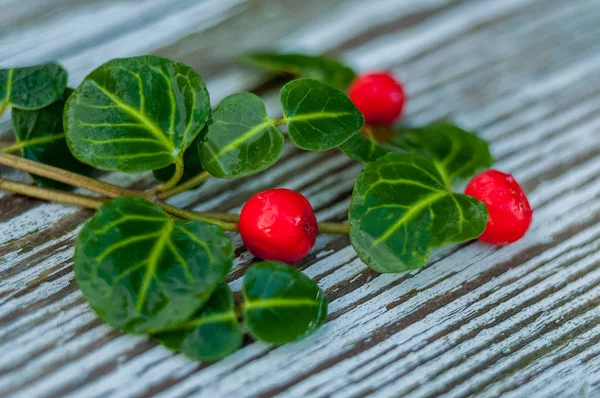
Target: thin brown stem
{"points": [[67, 177], [189, 184], [53, 195]]}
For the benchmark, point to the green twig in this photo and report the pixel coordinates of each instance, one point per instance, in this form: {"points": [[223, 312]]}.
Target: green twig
{"points": [[189, 184]]}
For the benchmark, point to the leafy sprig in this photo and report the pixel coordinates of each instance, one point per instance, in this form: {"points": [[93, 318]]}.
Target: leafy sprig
{"points": [[149, 267]]}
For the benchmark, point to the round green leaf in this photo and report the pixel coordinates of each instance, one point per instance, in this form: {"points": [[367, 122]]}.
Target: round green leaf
{"points": [[192, 165], [281, 303], [401, 208], [241, 139], [143, 271], [32, 87], [319, 117], [318, 67], [42, 139], [457, 154], [209, 335], [136, 114]]}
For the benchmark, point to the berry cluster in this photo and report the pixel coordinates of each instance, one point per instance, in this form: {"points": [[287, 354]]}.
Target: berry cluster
{"points": [[149, 267]]}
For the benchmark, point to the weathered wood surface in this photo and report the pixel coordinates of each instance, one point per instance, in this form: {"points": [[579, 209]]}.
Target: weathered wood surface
{"points": [[517, 321]]}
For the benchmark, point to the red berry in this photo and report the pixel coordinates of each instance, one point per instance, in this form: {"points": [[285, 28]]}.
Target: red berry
{"points": [[278, 224], [508, 209], [378, 96]]}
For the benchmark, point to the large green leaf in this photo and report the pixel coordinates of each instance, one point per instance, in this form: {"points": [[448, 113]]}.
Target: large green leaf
{"points": [[281, 303], [136, 114], [319, 116], [42, 139], [241, 139], [143, 271], [401, 208], [318, 67], [458, 154], [209, 335], [192, 165], [32, 87]]}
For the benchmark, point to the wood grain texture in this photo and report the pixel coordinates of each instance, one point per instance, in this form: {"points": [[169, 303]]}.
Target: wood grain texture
{"points": [[476, 320]]}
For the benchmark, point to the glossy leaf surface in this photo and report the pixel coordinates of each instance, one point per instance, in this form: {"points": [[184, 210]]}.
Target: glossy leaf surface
{"points": [[40, 132], [319, 116], [241, 139], [401, 208], [136, 114], [142, 270], [192, 165], [32, 87], [281, 303], [209, 335], [457, 154], [318, 67]]}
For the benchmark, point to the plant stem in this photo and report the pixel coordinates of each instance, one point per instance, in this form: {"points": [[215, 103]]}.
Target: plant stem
{"points": [[189, 184], [53, 195], [279, 122], [190, 215], [174, 180], [3, 108], [334, 228], [64, 176], [34, 141]]}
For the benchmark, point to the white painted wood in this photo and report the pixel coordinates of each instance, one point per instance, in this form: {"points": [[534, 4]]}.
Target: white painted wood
{"points": [[476, 320]]}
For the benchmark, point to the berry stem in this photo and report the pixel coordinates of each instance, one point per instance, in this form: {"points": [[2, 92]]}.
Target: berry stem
{"points": [[191, 215], [67, 177], [334, 228], [189, 184]]}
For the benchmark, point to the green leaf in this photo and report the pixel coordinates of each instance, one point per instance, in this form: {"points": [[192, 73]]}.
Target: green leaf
{"points": [[318, 67], [41, 137], [192, 165], [281, 303], [369, 145], [209, 335], [32, 87], [319, 116], [136, 114], [241, 139], [143, 271], [401, 208], [458, 154]]}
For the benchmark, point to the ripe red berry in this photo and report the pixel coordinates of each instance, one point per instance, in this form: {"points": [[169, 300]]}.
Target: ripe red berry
{"points": [[278, 224], [508, 209], [378, 96]]}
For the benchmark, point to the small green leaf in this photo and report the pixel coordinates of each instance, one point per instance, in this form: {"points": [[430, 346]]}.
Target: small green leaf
{"points": [[458, 154], [209, 335], [241, 139], [192, 165], [42, 139], [142, 271], [136, 114], [319, 116], [369, 145], [32, 87], [318, 67], [281, 303], [401, 208]]}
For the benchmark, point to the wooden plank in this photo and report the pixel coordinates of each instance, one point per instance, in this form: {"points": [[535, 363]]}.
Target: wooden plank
{"points": [[476, 320]]}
